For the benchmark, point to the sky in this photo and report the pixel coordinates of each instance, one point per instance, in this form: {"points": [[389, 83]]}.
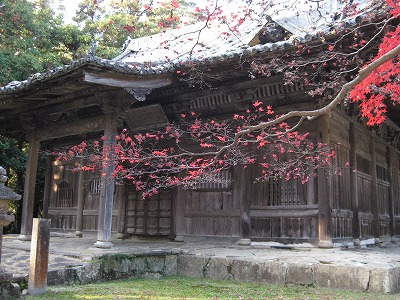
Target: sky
{"points": [[70, 8]]}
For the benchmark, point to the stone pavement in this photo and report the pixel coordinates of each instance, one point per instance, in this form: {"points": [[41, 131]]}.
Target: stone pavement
{"points": [[372, 268]]}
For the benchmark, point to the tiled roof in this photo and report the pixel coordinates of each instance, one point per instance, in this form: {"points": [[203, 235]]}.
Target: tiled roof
{"points": [[85, 61], [166, 52], [214, 41]]}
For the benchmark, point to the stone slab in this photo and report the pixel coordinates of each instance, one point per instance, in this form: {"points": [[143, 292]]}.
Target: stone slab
{"points": [[342, 277]]}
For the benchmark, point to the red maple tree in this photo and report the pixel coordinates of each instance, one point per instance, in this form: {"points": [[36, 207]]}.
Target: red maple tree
{"points": [[194, 150]]}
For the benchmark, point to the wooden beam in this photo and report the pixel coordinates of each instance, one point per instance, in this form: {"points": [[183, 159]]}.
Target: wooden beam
{"points": [[81, 202], [242, 192], [73, 128], [29, 187], [47, 185], [212, 214], [353, 185], [122, 210], [124, 81], [106, 187], [392, 229], [374, 189], [325, 229], [288, 213]]}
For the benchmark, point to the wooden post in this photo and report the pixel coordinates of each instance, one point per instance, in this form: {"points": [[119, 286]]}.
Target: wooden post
{"points": [[37, 282], [311, 189], [353, 185], [374, 190], [47, 185], [324, 193], [121, 198], [391, 202], [241, 190], [29, 187], [81, 203], [107, 187], [178, 211]]}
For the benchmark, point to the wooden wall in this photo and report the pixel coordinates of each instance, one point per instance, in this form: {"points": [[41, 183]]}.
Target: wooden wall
{"points": [[278, 210], [375, 166], [342, 214], [212, 213], [283, 210], [64, 199], [150, 216]]}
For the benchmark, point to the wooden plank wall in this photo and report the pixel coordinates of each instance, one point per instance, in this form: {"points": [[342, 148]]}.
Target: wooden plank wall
{"points": [[63, 217], [396, 201], [282, 210], [342, 215], [364, 182], [383, 186], [212, 213], [150, 216], [92, 199], [395, 190], [62, 208]]}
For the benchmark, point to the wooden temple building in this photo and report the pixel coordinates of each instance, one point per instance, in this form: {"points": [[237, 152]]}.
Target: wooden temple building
{"points": [[141, 89]]}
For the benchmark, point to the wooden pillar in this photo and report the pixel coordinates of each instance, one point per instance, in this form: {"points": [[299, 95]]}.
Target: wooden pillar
{"points": [[242, 191], [374, 191], [353, 185], [121, 199], [39, 257], [178, 207], [81, 202], [391, 200], [107, 187], [324, 192], [311, 189], [29, 187], [47, 185]]}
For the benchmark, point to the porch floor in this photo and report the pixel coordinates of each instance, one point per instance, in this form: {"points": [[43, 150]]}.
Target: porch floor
{"points": [[66, 250]]}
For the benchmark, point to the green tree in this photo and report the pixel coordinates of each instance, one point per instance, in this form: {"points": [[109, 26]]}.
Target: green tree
{"points": [[33, 39], [13, 157], [109, 28]]}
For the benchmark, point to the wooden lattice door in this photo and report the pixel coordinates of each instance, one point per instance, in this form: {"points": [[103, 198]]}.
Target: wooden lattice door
{"points": [[152, 216]]}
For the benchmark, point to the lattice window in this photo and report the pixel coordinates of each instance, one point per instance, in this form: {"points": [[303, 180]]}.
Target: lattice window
{"points": [[282, 192], [363, 165], [382, 173], [274, 89], [218, 181], [95, 185], [274, 192], [210, 100], [64, 194], [292, 193]]}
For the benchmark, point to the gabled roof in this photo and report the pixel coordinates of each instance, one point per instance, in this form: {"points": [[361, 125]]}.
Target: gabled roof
{"points": [[215, 41], [203, 43]]}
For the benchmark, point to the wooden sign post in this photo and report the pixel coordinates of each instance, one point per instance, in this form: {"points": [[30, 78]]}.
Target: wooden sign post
{"points": [[37, 282]]}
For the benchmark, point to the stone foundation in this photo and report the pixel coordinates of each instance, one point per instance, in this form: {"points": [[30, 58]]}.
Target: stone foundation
{"points": [[158, 264]]}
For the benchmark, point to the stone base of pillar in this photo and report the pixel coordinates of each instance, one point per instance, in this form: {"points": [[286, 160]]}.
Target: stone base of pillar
{"points": [[377, 241], [79, 233], [244, 242], [393, 240], [327, 244], [120, 236], [103, 245], [179, 239], [24, 237], [357, 243]]}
